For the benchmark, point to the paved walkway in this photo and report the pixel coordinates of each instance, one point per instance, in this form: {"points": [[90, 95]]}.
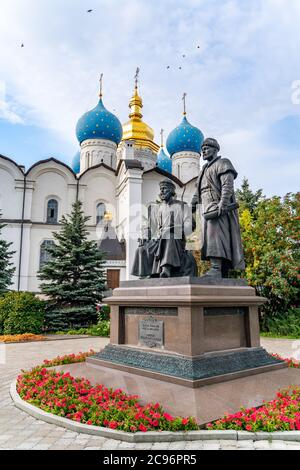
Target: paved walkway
{"points": [[20, 431]]}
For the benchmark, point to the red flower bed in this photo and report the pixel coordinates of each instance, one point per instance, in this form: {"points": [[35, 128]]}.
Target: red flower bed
{"points": [[290, 362], [281, 414], [75, 398], [68, 359]]}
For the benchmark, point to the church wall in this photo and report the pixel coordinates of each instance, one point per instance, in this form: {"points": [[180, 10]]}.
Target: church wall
{"points": [[11, 191], [50, 185], [185, 165], [98, 185], [96, 151], [11, 233], [39, 233]]}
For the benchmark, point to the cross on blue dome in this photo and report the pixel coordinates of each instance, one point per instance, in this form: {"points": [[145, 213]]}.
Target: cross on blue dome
{"points": [[184, 138], [99, 123]]}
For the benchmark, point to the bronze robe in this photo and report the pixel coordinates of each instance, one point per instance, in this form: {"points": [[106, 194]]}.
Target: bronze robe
{"points": [[220, 237]]}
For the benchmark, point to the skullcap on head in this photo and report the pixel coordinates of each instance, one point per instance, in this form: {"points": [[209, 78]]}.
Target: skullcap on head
{"points": [[211, 143], [167, 182]]}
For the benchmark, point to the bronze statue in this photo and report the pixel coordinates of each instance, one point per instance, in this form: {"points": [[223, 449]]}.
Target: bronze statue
{"points": [[163, 254], [220, 235]]}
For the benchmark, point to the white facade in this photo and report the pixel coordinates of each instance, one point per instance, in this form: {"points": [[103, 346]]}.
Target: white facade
{"points": [[185, 165], [96, 151], [123, 189]]}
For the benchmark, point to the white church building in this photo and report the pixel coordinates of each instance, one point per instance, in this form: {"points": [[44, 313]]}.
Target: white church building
{"points": [[116, 175]]}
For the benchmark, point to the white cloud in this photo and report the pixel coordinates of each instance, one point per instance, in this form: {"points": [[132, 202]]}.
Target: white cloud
{"points": [[238, 81]]}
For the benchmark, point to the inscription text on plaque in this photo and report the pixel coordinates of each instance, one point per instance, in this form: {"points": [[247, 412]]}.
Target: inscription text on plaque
{"points": [[151, 333]]}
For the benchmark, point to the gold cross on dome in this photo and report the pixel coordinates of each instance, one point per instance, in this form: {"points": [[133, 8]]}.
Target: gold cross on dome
{"points": [[101, 78], [136, 77], [184, 103]]}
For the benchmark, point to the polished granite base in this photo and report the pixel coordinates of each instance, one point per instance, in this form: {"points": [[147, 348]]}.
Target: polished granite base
{"points": [[184, 370], [206, 403]]}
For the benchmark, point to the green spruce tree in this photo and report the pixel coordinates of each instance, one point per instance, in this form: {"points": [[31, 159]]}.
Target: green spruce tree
{"points": [[246, 198], [6, 266], [74, 277]]}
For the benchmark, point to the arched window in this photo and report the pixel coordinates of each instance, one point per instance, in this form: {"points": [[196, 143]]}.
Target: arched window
{"points": [[100, 211], [44, 254], [52, 211]]}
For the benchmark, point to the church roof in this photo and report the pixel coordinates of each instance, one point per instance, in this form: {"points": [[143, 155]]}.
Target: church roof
{"points": [[136, 129], [99, 123], [164, 161], [184, 138]]}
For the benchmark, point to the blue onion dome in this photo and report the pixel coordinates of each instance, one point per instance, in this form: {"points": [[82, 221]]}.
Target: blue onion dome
{"points": [[163, 161], [184, 138], [76, 163], [99, 124]]}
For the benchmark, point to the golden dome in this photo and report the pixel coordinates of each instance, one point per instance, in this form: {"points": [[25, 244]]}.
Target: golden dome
{"points": [[135, 129]]}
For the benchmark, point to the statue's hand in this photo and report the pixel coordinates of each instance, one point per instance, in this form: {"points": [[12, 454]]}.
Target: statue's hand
{"points": [[141, 242], [222, 208]]}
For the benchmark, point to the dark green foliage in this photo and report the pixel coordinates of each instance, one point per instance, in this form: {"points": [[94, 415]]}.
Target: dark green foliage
{"points": [[74, 276], [246, 198], [21, 312], [104, 313], [6, 266], [271, 242], [283, 324]]}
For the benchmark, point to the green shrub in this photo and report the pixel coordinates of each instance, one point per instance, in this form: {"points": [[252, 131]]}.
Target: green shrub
{"points": [[101, 329], [21, 312], [104, 313], [283, 324]]}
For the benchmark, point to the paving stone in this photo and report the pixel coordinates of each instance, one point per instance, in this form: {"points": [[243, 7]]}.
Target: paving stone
{"points": [[193, 445], [92, 448], [143, 446], [176, 446], [262, 445], [41, 447], [245, 444], [126, 445], [211, 445], [161, 446], [110, 444], [278, 445]]}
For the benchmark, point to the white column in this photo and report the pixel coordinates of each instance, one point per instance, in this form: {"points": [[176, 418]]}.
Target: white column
{"points": [[133, 214]]}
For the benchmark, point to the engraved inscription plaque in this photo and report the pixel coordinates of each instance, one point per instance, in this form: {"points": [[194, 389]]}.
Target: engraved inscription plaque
{"points": [[151, 333]]}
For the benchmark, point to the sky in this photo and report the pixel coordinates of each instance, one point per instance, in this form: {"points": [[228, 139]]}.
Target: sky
{"points": [[237, 60]]}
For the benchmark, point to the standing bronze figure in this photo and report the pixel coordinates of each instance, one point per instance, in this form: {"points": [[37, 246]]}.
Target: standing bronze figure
{"points": [[220, 235]]}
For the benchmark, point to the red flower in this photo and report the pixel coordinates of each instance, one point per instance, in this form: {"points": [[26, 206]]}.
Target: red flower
{"points": [[142, 428], [184, 421], [168, 417], [113, 425]]}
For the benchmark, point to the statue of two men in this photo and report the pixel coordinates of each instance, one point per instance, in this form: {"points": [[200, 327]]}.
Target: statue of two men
{"points": [[164, 254]]}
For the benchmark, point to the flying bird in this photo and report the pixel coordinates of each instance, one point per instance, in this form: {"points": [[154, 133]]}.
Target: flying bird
{"points": [[22, 45], [168, 66], [198, 47], [179, 68], [89, 11], [183, 55]]}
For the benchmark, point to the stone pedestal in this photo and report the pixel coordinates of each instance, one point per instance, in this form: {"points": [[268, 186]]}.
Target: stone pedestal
{"points": [[188, 331]]}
